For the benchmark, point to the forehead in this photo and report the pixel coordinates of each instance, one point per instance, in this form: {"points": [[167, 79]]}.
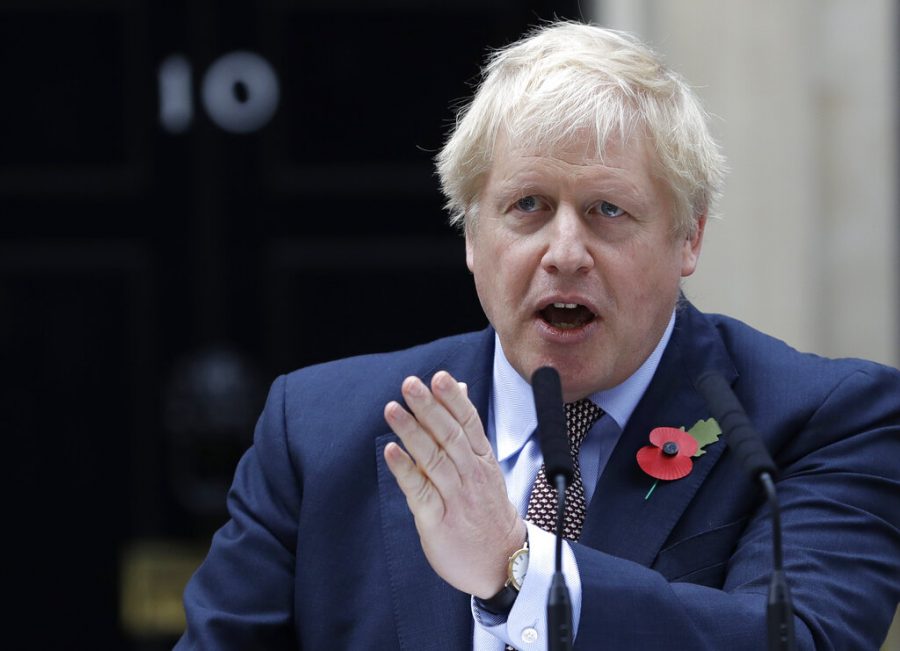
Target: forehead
{"points": [[577, 160]]}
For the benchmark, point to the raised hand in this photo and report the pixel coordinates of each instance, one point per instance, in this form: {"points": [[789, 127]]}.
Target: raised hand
{"points": [[453, 485]]}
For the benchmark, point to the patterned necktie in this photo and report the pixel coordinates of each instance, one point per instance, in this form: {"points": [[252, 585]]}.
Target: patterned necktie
{"points": [[542, 503]]}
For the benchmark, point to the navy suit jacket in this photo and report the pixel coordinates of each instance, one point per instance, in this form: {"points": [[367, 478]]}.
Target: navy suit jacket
{"points": [[321, 551]]}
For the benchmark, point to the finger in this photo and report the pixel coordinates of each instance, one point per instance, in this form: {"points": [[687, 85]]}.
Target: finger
{"points": [[434, 417], [431, 458], [424, 501], [454, 397]]}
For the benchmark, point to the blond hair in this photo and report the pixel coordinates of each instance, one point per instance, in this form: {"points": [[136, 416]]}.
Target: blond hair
{"points": [[566, 79]]}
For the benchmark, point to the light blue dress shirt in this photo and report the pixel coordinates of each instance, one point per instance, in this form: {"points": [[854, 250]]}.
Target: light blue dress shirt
{"points": [[510, 427]]}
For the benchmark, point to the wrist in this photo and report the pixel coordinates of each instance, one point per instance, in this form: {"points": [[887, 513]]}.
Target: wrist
{"points": [[518, 540], [502, 600]]}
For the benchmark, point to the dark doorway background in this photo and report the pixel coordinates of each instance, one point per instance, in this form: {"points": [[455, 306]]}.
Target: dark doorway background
{"points": [[154, 278]]}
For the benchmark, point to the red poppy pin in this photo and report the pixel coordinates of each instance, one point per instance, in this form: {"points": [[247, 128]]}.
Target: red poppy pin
{"points": [[670, 455]]}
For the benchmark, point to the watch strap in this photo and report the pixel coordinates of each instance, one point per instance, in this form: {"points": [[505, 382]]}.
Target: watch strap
{"points": [[501, 603]]}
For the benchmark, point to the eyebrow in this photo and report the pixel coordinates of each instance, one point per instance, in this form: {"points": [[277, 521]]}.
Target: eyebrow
{"points": [[612, 187]]}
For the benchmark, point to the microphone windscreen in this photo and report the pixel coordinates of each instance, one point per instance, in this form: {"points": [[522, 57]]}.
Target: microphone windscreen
{"points": [[739, 433], [551, 419]]}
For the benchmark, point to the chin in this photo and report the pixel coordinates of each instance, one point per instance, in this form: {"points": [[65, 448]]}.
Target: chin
{"points": [[577, 385]]}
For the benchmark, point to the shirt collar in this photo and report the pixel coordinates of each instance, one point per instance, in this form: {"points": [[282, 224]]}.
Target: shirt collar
{"points": [[512, 403]]}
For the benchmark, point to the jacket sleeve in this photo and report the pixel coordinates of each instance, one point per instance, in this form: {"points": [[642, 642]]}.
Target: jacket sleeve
{"points": [[241, 597], [839, 493]]}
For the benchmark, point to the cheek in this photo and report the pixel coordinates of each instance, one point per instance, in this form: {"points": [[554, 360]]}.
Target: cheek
{"points": [[503, 278], [482, 263], [644, 274], [495, 280], [479, 261]]}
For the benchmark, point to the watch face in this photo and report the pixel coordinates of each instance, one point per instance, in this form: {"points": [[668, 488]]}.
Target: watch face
{"points": [[518, 566]]}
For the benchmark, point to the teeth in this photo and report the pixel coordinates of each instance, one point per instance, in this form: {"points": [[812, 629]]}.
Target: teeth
{"points": [[568, 306]]}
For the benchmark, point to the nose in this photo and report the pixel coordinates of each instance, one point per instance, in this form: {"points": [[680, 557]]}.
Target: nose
{"points": [[567, 249]]}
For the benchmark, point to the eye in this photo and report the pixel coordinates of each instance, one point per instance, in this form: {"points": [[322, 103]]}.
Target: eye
{"points": [[608, 209], [528, 204]]}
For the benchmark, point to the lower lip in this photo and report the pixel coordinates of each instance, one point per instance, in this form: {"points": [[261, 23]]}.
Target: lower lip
{"points": [[567, 336]]}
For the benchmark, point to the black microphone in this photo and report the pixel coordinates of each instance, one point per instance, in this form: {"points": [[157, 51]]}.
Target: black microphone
{"points": [[753, 455], [551, 424], [554, 442], [740, 435]]}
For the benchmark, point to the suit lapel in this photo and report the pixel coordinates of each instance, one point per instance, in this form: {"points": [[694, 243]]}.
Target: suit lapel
{"points": [[429, 613], [620, 521]]}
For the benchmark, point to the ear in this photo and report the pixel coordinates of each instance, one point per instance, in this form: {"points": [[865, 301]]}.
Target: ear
{"points": [[690, 252], [470, 248]]}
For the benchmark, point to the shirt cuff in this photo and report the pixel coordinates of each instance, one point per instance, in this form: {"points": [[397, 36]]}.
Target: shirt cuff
{"points": [[526, 625]]}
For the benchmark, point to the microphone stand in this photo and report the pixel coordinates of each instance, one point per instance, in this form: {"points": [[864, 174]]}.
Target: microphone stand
{"points": [[559, 603], [753, 455], [779, 609], [551, 431]]}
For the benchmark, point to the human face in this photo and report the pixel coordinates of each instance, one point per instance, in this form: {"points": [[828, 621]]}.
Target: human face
{"points": [[562, 229]]}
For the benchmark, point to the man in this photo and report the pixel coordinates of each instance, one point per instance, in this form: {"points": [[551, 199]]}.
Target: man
{"points": [[582, 174]]}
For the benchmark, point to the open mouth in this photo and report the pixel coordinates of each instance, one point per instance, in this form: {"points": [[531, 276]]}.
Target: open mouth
{"points": [[567, 316]]}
